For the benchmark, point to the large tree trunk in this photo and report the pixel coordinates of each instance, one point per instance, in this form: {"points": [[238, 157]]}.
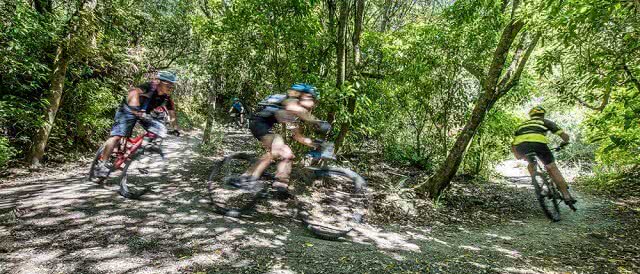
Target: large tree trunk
{"points": [[58, 76], [60, 65], [341, 44], [351, 104], [494, 85]]}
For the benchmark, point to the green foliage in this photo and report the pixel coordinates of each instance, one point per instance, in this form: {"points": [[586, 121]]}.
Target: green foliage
{"points": [[6, 152], [491, 143], [617, 131]]}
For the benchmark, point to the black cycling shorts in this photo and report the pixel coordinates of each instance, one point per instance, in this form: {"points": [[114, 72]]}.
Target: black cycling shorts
{"points": [[541, 150], [260, 127]]}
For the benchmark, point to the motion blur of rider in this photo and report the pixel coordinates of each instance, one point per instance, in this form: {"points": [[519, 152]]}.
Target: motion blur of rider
{"points": [[138, 106], [531, 138], [237, 109], [286, 109]]}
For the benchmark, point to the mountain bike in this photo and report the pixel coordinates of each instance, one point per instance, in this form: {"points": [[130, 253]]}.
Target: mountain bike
{"points": [[139, 161], [547, 192], [329, 200], [237, 121]]}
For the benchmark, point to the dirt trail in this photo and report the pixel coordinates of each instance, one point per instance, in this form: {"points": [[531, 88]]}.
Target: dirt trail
{"points": [[68, 225]]}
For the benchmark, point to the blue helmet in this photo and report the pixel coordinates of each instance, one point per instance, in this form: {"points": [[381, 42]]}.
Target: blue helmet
{"points": [[305, 88]]}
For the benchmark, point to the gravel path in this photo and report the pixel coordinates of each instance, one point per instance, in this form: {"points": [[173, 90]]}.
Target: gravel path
{"points": [[65, 224]]}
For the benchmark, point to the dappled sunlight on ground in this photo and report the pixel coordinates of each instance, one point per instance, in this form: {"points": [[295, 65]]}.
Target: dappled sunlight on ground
{"points": [[68, 225]]}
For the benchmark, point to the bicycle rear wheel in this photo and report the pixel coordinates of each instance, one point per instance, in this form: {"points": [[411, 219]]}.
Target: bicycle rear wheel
{"points": [[547, 195], [227, 199], [145, 170], [334, 203]]}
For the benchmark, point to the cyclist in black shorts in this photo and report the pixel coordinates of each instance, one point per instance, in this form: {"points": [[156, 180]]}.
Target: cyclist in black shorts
{"points": [[287, 109], [531, 138]]}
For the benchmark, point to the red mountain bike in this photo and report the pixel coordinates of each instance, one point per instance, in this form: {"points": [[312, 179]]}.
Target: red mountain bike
{"points": [[139, 160]]}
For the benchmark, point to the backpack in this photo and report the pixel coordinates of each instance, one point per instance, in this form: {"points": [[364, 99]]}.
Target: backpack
{"points": [[274, 100], [270, 105]]}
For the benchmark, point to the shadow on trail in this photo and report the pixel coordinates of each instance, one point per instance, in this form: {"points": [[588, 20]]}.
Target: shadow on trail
{"points": [[69, 225]]}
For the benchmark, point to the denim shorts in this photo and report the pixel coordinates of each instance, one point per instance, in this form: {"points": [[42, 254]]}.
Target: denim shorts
{"points": [[125, 120]]}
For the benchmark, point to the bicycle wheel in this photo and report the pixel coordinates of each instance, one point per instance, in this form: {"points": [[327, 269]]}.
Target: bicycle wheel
{"points": [[145, 169], [227, 199], [547, 195], [335, 202]]}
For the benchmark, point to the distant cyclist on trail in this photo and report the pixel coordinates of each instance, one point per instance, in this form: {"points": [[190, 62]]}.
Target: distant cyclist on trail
{"points": [[531, 138], [287, 109], [138, 106], [238, 109]]}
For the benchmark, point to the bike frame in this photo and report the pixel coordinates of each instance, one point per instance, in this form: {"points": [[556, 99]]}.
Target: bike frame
{"points": [[128, 146]]}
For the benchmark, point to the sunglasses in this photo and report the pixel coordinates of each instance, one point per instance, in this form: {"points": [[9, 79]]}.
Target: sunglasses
{"points": [[168, 84]]}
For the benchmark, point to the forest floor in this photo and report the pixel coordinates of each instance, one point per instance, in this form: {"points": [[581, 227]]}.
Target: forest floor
{"points": [[54, 221]]}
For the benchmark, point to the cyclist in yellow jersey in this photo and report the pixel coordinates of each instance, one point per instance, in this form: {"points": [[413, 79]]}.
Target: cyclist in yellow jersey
{"points": [[531, 138]]}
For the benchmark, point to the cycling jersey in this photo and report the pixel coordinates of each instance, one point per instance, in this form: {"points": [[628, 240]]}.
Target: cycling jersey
{"points": [[150, 99], [535, 130], [237, 107]]}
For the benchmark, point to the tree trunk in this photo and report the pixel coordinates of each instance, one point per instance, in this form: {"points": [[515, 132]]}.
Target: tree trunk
{"points": [[341, 44], [60, 65], [489, 95], [211, 107], [351, 104], [56, 87]]}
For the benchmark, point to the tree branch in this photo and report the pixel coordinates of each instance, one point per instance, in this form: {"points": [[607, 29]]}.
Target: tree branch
{"points": [[500, 55], [632, 78], [474, 70], [513, 80], [603, 104]]}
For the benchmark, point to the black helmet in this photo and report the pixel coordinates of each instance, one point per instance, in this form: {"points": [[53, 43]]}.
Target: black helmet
{"points": [[537, 111]]}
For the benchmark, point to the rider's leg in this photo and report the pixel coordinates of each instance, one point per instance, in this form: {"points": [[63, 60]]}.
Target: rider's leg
{"points": [[262, 164], [557, 177], [109, 145], [256, 170], [283, 151], [124, 123]]}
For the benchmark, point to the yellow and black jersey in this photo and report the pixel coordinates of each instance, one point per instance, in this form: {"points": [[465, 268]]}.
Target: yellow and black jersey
{"points": [[535, 131]]}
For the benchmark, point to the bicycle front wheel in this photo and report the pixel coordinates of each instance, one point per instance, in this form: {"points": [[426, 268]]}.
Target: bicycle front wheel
{"points": [[335, 202], [145, 170], [547, 196]]}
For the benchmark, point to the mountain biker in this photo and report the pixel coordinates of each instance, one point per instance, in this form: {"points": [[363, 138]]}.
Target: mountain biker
{"points": [[530, 137], [237, 109], [295, 105], [138, 105]]}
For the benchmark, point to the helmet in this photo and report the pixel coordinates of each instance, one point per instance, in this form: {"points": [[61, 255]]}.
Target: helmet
{"points": [[305, 88], [167, 76], [537, 111], [235, 99]]}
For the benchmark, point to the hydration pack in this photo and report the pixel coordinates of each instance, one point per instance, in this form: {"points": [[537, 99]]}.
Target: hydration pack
{"points": [[273, 100], [269, 105]]}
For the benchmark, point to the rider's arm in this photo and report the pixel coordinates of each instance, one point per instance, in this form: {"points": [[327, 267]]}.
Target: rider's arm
{"points": [[555, 129], [297, 135], [133, 100], [173, 120], [300, 112], [565, 137]]}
